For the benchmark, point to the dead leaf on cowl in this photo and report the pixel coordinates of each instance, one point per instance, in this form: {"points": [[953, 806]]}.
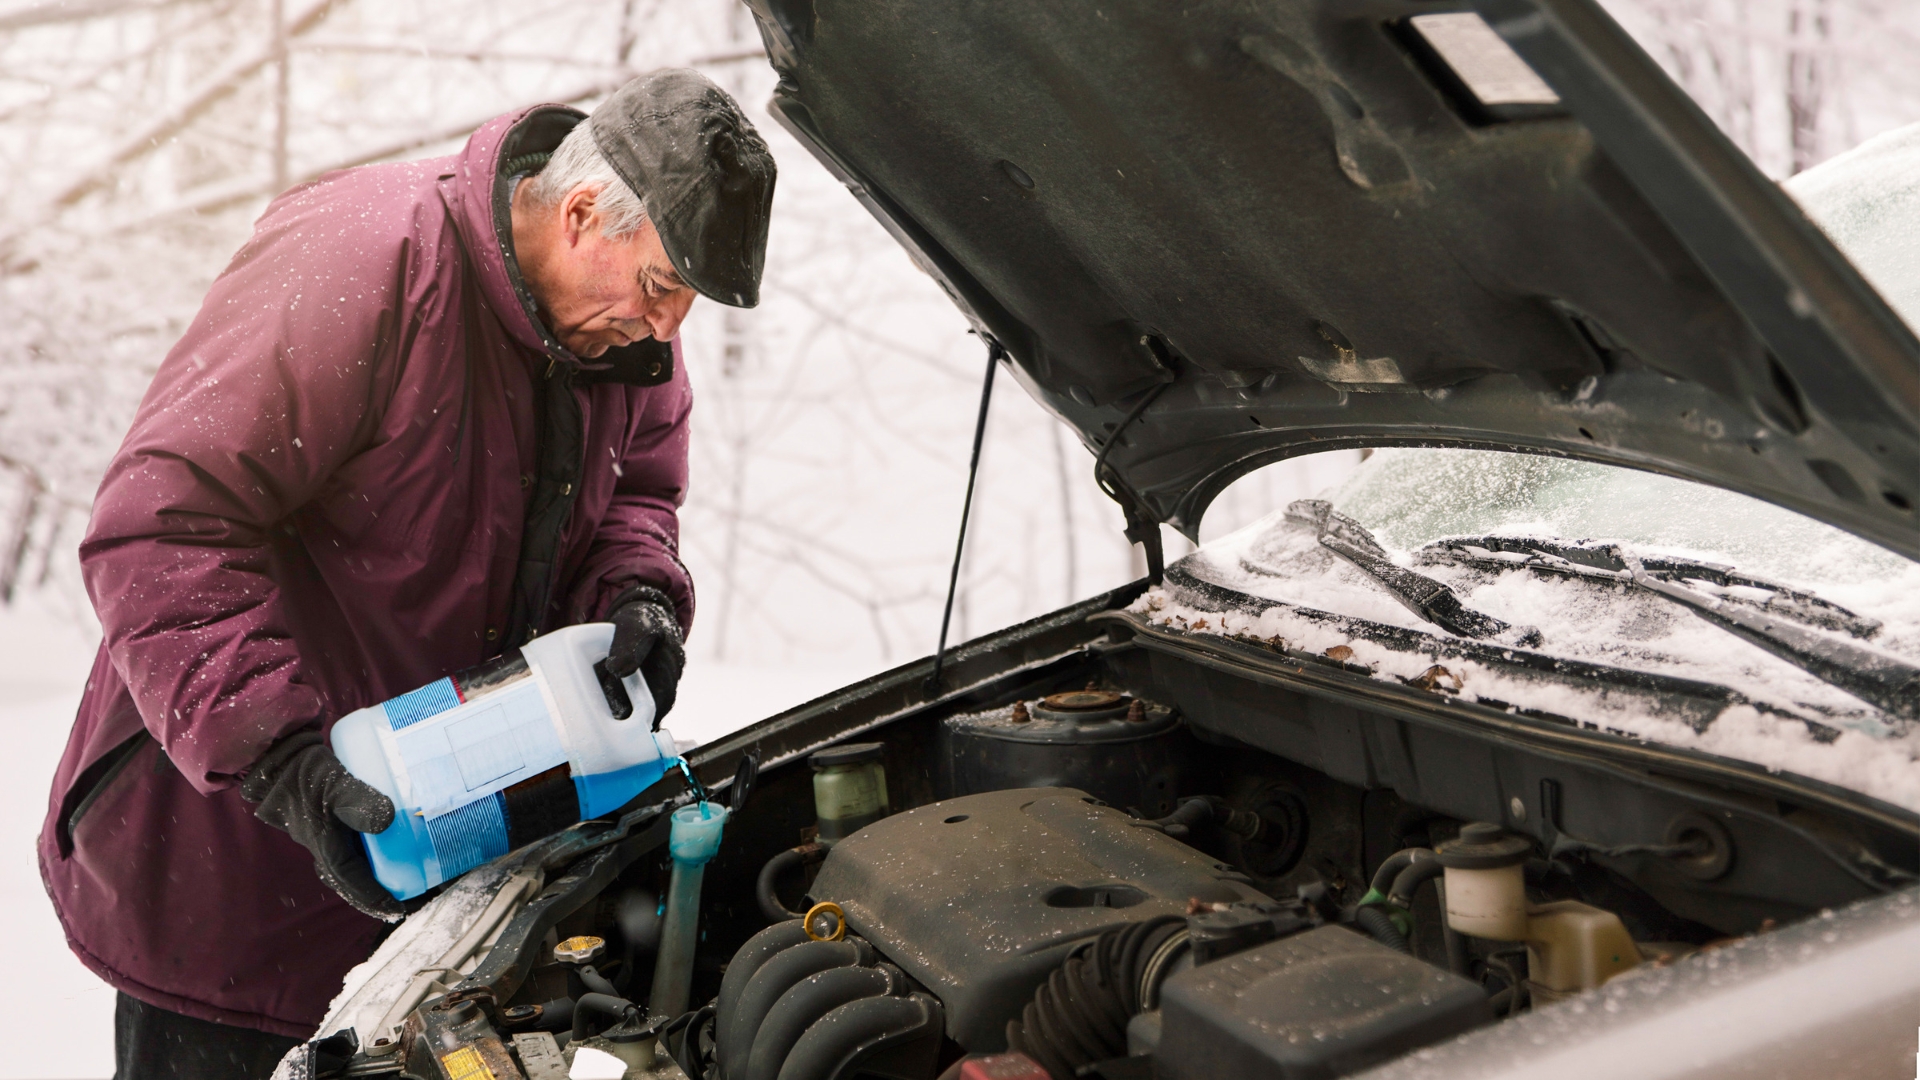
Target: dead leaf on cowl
{"points": [[1438, 678], [1341, 653]]}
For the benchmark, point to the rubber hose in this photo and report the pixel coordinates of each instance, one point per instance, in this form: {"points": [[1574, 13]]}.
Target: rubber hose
{"points": [[595, 982], [682, 1040], [556, 1015], [851, 1030], [799, 1008], [775, 977], [1408, 881], [750, 957], [1379, 927], [1189, 813], [763, 891], [1079, 1015], [1391, 866], [586, 1005]]}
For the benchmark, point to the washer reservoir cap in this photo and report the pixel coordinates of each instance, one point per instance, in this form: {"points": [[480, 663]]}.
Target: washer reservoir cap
{"points": [[1484, 846], [849, 754]]}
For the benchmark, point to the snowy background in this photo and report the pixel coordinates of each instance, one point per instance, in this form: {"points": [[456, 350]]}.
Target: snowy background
{"points": [[143, 136]]}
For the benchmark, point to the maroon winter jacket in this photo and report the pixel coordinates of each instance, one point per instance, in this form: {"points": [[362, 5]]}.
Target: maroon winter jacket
{"points": [[322, 504]]}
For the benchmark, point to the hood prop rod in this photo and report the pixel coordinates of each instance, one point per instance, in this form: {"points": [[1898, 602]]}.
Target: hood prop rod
{"points": [[1142, 527], [995, 353]]}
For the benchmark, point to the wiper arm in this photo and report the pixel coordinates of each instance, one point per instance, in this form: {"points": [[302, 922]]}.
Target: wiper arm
{"points": [[1876, 677], [1568, 558], [1418, 593]]}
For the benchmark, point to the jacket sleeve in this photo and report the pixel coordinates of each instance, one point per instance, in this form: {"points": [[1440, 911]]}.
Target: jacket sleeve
{"points": [[282, 376], [638, 540]]}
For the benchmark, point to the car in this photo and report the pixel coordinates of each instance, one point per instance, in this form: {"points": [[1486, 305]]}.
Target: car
{"points": [[1573, 733]]}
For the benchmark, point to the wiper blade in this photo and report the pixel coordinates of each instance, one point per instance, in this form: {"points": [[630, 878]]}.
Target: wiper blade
{"points": [[1878, 678], [1568, 558], [1429, 599]]}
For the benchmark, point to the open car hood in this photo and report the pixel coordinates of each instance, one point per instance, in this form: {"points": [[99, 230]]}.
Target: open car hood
{"points": [[1266, 230]]}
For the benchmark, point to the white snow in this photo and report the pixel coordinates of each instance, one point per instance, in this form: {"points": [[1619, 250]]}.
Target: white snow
{"points": [[1868, 201], [44, 659], [718, 698], [1411, 497]]}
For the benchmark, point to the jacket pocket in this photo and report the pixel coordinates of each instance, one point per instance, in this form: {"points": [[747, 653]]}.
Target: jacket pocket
{"points": [[93, 781]]}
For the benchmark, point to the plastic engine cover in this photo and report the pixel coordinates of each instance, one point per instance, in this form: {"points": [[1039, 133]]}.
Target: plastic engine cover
{"points": [[979, 898], [1320, 1004]]}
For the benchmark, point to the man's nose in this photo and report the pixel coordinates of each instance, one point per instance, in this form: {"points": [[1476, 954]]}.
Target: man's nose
{"points": [[666, 313]]}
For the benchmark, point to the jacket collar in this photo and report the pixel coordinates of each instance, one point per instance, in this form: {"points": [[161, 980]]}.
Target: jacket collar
{"points": [[480, 201]]}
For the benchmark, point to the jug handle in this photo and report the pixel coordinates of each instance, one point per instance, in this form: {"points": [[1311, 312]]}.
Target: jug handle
{"points": [[616, 691]]}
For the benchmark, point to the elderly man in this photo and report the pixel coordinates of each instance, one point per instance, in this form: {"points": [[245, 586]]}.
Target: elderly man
{"points": [[430, 410]]}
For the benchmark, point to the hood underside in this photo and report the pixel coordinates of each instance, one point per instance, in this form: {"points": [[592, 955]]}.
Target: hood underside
{"points": [[1310, 224]]}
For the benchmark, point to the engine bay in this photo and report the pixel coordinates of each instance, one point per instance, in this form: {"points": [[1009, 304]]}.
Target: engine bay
{"points": [[1132, 857]]}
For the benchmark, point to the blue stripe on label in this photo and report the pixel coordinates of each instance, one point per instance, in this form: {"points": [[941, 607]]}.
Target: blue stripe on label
{"points": [[469, 836], [416, 705]]}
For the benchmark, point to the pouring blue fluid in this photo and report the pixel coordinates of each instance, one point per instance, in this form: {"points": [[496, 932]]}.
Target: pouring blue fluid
{"points": [[497, 756]]}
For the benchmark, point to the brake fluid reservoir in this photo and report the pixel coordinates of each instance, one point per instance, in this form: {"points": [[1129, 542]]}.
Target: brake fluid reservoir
{"points": [[497, 756], [1486, 883], [849, 789]]}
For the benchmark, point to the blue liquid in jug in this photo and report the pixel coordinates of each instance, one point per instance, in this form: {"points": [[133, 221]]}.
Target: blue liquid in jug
{"points": [[485, 762]]}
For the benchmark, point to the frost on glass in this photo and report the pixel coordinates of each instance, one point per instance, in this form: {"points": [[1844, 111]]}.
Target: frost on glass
{"points": [[1867, 201], [1782, 716], [1409, 498]]}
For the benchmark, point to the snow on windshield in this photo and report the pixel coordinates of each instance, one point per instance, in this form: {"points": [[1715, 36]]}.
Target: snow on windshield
{"points": [[1411, 497], [1867, 200]]}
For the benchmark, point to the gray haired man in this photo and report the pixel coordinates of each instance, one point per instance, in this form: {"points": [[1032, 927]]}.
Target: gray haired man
{"points": [[430, 410]]}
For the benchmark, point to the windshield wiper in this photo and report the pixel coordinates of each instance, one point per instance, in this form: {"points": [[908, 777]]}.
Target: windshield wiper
{"points": [[1418, 593], [1779, 619], [1568, 557]]}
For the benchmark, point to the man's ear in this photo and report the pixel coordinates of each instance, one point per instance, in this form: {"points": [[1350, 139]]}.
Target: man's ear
{"points": [[579, 214]]}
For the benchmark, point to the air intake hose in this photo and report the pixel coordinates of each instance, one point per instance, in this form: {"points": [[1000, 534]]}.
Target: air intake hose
{"points": [[801, 1007], [747, 962], [781, 973], [858, 1029], [1079, 1015]]}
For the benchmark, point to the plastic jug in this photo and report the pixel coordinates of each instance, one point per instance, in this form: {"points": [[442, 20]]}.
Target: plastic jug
{"points": [[483, 761]]}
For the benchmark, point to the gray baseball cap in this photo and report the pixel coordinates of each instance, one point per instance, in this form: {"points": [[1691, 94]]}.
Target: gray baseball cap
{"points": [[703, 173]]}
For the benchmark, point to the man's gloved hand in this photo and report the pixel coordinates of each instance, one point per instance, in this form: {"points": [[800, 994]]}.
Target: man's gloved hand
{"points": [[304, 791], [647, 639]]}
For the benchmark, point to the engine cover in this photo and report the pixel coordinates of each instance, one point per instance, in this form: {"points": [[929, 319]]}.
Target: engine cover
{"points": [[1320, 1004], [979, 898]]}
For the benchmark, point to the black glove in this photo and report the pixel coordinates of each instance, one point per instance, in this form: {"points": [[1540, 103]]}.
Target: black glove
{"points": [[304, 791], [647, 639]]}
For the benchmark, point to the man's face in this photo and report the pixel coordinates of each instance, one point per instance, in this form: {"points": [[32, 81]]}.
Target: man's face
{"points": [[598, 293]]}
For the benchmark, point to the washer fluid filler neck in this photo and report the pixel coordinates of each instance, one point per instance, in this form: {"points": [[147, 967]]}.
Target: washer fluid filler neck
{"points": [[693, 839]]}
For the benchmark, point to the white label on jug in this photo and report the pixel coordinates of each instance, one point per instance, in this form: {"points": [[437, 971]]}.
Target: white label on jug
{"points": [[454, 757]]}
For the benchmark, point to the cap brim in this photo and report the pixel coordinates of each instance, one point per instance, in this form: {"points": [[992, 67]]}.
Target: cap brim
{"points": [[715, 252]]}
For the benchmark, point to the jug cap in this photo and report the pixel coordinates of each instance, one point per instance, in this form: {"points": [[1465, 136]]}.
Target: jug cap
{"points": [[694, 836]]}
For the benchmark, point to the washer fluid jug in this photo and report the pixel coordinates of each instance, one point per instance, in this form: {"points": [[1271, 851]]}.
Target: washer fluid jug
{"points": [[497, 756]]}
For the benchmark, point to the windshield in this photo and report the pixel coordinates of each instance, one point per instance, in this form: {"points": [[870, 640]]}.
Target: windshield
{"points": [[1411, 497], [1425, 506]]}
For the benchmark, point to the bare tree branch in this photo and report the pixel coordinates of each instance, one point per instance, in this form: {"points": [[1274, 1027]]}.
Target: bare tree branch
{"points": [[73, 11], [211, 91]]}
